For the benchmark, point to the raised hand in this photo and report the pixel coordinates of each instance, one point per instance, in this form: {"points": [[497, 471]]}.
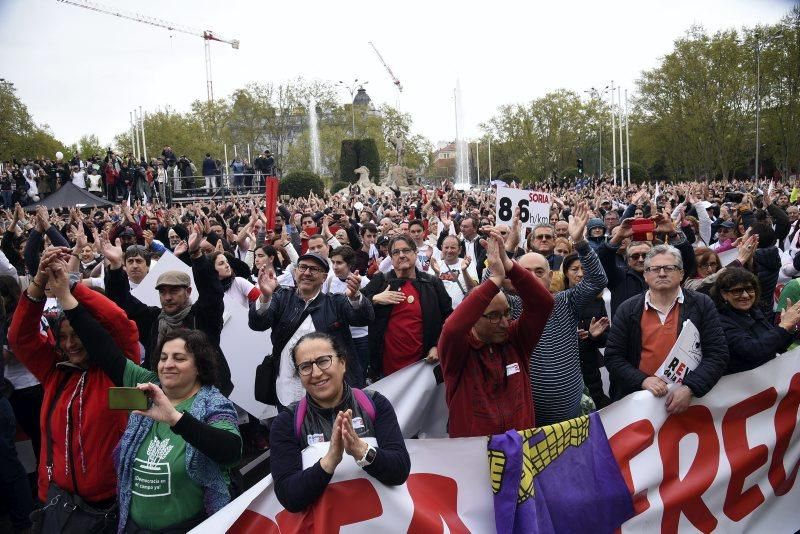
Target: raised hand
{"points": [[747, 247], [113, 253], [577, 221], [195, 238], [180, 248], [790, 316], [663, 223], [59, 278], [267, 282], [493, 259], [353, 285]]}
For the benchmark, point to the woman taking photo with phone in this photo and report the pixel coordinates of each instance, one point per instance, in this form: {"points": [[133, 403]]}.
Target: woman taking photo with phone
{"points": [[173, 460], [78, 430]]}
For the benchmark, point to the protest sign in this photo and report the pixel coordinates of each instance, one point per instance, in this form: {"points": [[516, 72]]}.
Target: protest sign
{"points": [[684, 356], [534, 206]]}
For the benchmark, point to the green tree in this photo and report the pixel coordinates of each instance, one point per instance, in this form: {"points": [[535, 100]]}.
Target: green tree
{"points": [[299, 183], [20, 136]]}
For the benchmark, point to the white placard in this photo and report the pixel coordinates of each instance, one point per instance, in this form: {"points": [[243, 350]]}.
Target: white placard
{"points": [[684, 356], [534, 206]]}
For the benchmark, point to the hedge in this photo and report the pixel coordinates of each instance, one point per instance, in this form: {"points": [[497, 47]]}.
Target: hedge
{"points": [[298, 183]]}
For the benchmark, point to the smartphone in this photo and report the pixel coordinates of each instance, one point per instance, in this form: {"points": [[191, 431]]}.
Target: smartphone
{"points": [[126, 399]]}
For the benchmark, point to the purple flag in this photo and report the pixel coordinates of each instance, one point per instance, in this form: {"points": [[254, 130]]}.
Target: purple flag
{"points": [[560, 478]]}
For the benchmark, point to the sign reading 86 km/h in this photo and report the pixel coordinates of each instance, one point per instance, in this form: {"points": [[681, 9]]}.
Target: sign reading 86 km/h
{"points": [[534, 207]]}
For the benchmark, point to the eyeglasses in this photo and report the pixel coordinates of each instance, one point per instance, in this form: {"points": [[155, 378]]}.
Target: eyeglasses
{"points": [[740, 291], [543, 237], [310, 268], [322, 363], [709, 265], [496, 317], [666, 268], [638, 256], [398, 251]]}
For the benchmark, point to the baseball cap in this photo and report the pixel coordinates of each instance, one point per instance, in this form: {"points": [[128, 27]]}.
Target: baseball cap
{"points": [[315, 257], [173, 278], [728, 224], [127, 231]]}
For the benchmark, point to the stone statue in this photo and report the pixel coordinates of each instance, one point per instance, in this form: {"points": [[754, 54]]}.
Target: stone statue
{"points": [[398, 143], [363, 178]]}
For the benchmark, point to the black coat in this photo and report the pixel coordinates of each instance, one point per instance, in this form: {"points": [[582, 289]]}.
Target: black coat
{"points": [[624, 345], [331, 314], [752, 339], [434, 301]]}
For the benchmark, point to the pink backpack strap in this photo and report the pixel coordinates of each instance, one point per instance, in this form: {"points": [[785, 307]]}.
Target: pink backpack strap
{"points": [[365, 402], [299, 416]]}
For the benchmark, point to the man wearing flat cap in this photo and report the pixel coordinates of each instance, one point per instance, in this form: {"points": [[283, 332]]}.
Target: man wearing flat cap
{"points": [[294, 312], [176, 311]]}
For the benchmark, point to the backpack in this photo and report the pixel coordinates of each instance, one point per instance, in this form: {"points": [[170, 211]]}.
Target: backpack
{"points": [[363, 399]]}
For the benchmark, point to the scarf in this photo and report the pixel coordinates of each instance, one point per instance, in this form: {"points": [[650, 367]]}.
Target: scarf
{"points": [[209, 406], [227, 283], [167, 323]]}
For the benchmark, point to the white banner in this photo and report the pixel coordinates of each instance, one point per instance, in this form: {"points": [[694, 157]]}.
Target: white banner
{"points": [[534, 206], [728, 464]]}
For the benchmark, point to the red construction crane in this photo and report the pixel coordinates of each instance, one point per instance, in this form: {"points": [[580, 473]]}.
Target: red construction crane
{"points": [[207, 35], [388, 69]]}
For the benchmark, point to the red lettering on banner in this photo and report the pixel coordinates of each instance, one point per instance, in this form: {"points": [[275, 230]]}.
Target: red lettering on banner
{"points": [[785, 423], [626, 444], [744, 460], [539, 197], [334, 508], [686, 495], [435, 498], [251, 522]]}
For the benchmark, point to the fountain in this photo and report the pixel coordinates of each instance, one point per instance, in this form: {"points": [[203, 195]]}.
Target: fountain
{"points": [[462, 178], [313, 134]]}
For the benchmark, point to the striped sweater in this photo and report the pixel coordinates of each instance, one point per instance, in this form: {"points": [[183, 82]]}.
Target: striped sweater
{"points": [[556, 379]]}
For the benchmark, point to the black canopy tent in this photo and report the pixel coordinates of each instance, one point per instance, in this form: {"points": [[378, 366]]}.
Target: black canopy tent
{"points": [[70, 196]]}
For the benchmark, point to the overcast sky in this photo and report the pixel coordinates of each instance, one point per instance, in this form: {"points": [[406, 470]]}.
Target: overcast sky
{"points": [[82, 72]]}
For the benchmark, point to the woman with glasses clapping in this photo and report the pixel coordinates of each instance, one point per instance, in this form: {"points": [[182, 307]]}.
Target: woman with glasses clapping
{"points": [[752, 339], [332, 412]]}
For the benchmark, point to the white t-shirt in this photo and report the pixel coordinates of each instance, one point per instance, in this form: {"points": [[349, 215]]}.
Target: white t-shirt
{"points": [[94, 183], [241, 290], [79, 179]]}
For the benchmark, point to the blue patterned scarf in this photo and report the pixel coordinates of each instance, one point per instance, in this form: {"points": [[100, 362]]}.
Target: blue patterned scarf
{"points": [[209, 406]]}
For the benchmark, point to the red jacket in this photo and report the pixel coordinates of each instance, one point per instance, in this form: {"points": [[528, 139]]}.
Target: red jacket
{"points": [[488, 386], [100, 428]]}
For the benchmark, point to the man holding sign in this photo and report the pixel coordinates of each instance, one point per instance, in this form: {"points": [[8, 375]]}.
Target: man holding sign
{"points": [[646, 328]]}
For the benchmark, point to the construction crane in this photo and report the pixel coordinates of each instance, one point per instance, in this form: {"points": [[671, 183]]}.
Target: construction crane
{"points": [[388, 69], [207, 35]]}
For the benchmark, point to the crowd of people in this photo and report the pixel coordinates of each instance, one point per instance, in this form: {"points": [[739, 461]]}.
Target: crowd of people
{"points": [[353, 288], [118, 177]]}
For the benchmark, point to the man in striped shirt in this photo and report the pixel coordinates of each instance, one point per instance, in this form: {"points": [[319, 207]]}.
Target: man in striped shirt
{"points": [[555, 370]]}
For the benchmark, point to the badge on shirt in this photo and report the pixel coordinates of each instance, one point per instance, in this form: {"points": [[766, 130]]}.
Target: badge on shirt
{"points": [[410, 299], [512, 368], [315, 438], [358, 423]]}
